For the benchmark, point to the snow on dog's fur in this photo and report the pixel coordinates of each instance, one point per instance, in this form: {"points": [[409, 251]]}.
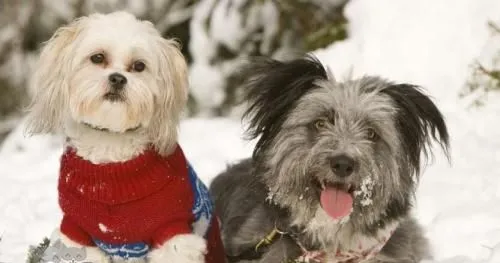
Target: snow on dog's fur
{"points": [[359, 141]]}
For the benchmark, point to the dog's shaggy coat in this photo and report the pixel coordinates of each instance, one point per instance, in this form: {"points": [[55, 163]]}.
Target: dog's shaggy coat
{"points": [[303, 119]]}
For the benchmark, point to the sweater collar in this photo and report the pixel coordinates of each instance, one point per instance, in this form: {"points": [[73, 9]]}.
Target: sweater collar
{"points": [[120, 182]]}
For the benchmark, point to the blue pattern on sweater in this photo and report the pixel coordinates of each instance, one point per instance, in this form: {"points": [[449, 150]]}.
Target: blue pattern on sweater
{"points": [[203, 206], [202, 211], [132, 250]]}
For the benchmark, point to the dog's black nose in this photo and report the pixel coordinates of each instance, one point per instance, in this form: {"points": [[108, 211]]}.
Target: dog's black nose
{"points": [[117, 80], [342, 165]]}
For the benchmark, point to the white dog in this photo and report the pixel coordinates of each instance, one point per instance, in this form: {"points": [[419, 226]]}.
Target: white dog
{"points": [[115, 88]]}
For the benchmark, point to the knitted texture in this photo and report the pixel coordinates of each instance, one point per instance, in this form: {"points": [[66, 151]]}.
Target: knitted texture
{"points": [[139, 203]]}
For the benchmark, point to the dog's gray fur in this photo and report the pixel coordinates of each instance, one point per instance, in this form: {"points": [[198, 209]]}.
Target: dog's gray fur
{"points": [[280, 186]]}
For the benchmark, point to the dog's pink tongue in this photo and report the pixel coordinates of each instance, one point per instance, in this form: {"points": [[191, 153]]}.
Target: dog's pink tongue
{"points": [[337, 203]]}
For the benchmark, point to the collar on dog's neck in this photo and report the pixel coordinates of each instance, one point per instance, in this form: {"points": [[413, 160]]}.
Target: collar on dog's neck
{"points": [[365, 249], [108, 130]]}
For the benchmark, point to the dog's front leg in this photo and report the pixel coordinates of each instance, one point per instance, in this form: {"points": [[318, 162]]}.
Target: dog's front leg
{"points": [[185, 248]]}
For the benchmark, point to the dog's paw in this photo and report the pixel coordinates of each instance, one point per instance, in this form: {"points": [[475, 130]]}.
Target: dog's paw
{"points": [[95, 255], [188, 248]]}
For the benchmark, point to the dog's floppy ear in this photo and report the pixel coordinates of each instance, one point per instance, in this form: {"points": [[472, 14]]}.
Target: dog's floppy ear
{"points": [[272, 89], [173, 78], [419, 122], [49, 85]]}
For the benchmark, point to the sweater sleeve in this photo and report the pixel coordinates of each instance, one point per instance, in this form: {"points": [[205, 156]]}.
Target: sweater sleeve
{"points": [[74, 232], [180, 210]]}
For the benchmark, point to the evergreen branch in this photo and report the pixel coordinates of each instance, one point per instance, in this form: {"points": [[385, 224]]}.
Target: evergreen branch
{"points": [[35, 254], [494, 74]]}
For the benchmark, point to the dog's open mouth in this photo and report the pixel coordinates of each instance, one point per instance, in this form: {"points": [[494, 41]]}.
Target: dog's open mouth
{"points": [[336, 199], [347, 187]]}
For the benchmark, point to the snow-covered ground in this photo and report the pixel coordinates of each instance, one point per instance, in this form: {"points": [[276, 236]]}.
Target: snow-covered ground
{"points": [[425, 42]]}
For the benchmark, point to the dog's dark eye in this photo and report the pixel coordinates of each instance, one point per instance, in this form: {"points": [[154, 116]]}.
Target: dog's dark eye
{"points": [[97, 58], [372, 135], [320, 124], [138, 66]]}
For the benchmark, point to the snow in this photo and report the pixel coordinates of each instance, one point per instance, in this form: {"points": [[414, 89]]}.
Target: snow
{"points": [[103, 228], [206, 80], [226, 23], [426, 42], [217, 24], [366, 191]]}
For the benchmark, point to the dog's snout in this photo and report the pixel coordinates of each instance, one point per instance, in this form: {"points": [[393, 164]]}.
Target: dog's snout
{"points": [[117, 80], [342, 165]]}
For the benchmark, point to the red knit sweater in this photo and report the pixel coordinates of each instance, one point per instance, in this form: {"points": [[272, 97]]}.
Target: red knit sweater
{"points": [[146, 199]]}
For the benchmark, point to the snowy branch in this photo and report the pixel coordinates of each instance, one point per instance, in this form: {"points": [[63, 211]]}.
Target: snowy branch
{"points": [[175, 18]]}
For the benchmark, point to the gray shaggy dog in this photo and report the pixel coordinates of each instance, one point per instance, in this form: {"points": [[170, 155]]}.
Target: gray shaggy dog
{"points": [[335, 169]]}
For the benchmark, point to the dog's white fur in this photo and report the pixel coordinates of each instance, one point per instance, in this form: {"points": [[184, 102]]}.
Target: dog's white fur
{"points": [[188, 248], [68, 88], [68, 98]]}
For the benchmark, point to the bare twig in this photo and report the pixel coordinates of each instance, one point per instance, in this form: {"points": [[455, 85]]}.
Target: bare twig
{"points": [[494, 27]]}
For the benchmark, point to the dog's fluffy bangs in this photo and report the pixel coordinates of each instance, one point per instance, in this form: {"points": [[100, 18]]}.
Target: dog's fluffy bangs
{"points": [[273, 90]]}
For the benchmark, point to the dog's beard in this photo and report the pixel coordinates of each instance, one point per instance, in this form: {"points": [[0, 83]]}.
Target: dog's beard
{"points": [[94, 104]]}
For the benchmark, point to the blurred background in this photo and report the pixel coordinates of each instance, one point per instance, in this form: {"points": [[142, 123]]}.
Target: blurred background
{"points": [[449, 47], [215, 36]]}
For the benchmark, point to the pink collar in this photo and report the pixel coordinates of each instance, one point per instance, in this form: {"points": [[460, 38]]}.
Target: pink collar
{"points": [[364, 251]]}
